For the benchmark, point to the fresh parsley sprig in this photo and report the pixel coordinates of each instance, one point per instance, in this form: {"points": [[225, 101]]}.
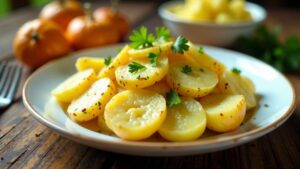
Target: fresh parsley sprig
{"points": [[172, 98], [186, 69], [180, 45], [134, 67], [236, 71], [153, 58], [141, 38], [265, 44], [162, 34], [107, 61]]}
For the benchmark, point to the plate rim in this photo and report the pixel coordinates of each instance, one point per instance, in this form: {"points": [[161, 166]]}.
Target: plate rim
{"points": [[238, 138]]}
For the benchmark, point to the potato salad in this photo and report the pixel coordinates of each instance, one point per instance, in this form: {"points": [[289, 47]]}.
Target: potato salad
{"points": [[157, 84], [217, 11]]}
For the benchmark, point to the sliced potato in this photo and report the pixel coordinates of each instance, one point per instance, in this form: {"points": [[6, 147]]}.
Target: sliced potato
{"points": [[121, 59], [233, 83], [102, 125], [160, 87], [224, 112], [135, 114], [184, 122], [144, 77], [74, 86], [92, 102], [84, 63], [206, 60], [143, 53], [197, 83]]}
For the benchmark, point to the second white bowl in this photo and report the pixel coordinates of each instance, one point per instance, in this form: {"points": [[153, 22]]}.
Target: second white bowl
{"points": [[211, 33]]}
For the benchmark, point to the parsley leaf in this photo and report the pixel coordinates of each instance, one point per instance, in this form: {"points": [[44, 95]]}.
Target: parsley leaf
{"points": [[180, 45], [134, 67], [141, 38], [266, 45], [186, 69], [201, 50], [162, 34], [107, 61], [236, 71], [172, 98], [153, 59]]}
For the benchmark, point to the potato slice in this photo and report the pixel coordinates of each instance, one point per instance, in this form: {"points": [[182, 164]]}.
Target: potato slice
{"points": [[144, 77], [197, 83], [143, 53], [206, 60], [92, 102], [135, 114], [102, 125], [121, 59], [184, 122], [224, 112], [160, 87], [84, 63], [74, 86], [233, 83]]}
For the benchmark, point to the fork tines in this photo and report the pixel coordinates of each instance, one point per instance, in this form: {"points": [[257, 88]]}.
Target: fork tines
{"points": [[10, 74]]}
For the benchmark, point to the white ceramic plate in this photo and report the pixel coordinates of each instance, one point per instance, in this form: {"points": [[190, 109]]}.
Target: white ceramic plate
{"points": [[273, 89]]}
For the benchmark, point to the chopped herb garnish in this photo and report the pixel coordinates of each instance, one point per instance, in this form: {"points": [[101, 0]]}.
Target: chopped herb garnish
{"points": [[180, 45], [201, 50], [236, 71], [107, 60], [201, 69], [141, 39], [153, 59], [186, 69], [134, 67], [138, 77], [162, 34], [173, 98]]}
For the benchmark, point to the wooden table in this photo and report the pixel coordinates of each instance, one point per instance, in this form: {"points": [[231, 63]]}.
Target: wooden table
{"points": [[25, 143]]}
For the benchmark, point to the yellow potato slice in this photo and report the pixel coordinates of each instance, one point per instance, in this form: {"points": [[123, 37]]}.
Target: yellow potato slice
{"points": [[143, 53], [160, 87], [206, 60], [121, 59], [135, 114], [84, 63], [74, 86], [93, 101], [102, 125], [184, 122], [144, 77], [233, 83], [224, 112], [197, 83]]}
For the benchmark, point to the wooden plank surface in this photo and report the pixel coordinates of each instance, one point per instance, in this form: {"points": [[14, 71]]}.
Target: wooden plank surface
{"points": [[25, 143]]}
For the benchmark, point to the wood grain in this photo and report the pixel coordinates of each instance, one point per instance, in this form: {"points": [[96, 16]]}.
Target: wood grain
{"points": [[25, 143]]}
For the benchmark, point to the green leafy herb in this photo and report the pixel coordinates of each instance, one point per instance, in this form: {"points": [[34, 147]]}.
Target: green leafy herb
{"points": [[141, 38], [172, 98], [134, 67], [264, 44], [153, 58], [107, 60], [186, 69], [162, 34], [201, 49], [180, 45], [236, 71]]}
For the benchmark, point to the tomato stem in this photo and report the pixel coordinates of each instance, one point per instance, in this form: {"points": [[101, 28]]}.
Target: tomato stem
{"points": [[88, 11], [35, 36]]}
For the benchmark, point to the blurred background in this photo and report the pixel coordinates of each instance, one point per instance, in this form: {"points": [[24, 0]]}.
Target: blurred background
{"points": [[7, 6]]}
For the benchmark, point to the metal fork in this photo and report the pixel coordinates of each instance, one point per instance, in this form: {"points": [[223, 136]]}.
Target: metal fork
{"points": [[10, 74]]}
